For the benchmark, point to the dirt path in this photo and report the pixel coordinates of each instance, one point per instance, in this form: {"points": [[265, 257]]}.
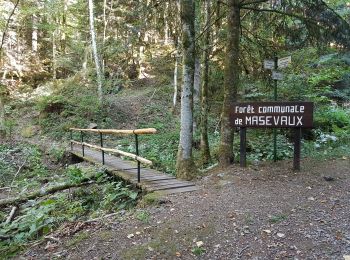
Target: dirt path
{"points": [[262, 213]]}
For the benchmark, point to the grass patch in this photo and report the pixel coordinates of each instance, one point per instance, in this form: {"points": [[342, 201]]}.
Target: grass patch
{"points": [[277, 218], [28, 132], [162, 245], [198, 251], [143, 216], [77, 239], [150, 199]]}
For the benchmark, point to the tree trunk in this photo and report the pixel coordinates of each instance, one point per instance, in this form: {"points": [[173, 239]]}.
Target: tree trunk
{"points": [[197, 69], [54, 52], [64, 27], [94, 50], [105, 23], [217, 25], [185, 165], [166, 25], [197, 81], [196, 93], [42, 193], [204, 144], [35, 33], [231, 82], [175, 81], [2, 116]]}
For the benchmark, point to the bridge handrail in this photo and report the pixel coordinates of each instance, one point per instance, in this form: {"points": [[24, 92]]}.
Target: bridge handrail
{"points": [[133, 156], [142, 131]]}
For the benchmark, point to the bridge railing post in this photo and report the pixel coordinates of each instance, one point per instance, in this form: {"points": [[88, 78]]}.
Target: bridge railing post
{"points": [[71, 140], [103, 152], [82, 142], [138, 162]]}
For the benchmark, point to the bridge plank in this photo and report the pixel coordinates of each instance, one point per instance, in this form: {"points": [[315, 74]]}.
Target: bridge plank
{"points": [[166, 182], [178, 190]]}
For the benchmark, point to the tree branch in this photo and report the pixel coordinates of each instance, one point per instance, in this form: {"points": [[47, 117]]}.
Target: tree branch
{"points": [[7, 26], [210, 24], [11, 215], [282, 13], [244, 3]]}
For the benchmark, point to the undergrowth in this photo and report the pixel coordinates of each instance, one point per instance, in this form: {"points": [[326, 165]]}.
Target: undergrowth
{"points": [[73, 104], [42, 216]]}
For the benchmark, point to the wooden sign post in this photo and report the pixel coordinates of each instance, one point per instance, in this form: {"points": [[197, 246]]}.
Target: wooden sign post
{"points": [[296, 115]]}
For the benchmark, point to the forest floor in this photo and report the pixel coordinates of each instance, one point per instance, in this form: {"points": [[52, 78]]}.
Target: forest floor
{"points": [[261, 212]]}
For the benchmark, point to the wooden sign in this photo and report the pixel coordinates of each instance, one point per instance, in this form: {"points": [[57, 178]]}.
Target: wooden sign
{"points": [[284, 62], [276, 75], [269, 64], [275, 4], [272, 114]]}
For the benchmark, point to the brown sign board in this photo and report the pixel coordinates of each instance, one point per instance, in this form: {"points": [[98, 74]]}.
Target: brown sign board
{"points": [[272, 114]]}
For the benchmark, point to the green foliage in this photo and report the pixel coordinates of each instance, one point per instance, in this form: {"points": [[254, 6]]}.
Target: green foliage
{"points": [[150, 199], [57, 154], [277, 218], [42, 217], [37, 221], [143, 216], [28, 132], [332, 119], [160, 148], [75, 175], [73, 104], [260, 146], [117, 196], [22, 156], [314, 78], [328, 145], [34, 222], [78, 238], [51, 104], [326, 75], [6, 168], [10, 125], [198, 251], [78, 174]]}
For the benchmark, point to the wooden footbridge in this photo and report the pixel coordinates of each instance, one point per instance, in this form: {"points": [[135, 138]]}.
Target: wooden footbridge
{"points": [[144, 178]]}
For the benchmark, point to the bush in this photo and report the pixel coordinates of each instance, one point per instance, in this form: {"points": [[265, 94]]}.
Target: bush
{"points": [[331, 119], [73, 104]]}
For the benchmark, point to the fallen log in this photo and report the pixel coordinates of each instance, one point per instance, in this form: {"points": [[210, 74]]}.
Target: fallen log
{"points": [[11, 215], [41, 193]]}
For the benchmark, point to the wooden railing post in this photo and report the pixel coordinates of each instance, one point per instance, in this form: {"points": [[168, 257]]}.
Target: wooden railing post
{"points": [[103, 152], [82, 142], [71, 139], [138, 162]]}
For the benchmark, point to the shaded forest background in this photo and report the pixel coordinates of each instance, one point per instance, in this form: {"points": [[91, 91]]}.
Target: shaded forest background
{"points": [[52, 73]]}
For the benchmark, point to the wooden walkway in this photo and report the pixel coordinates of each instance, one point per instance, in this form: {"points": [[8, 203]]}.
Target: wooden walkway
{"points": [[151, 180]]}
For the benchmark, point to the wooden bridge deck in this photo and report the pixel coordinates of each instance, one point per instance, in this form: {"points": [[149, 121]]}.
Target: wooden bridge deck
{"points": [[151, 180]]}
